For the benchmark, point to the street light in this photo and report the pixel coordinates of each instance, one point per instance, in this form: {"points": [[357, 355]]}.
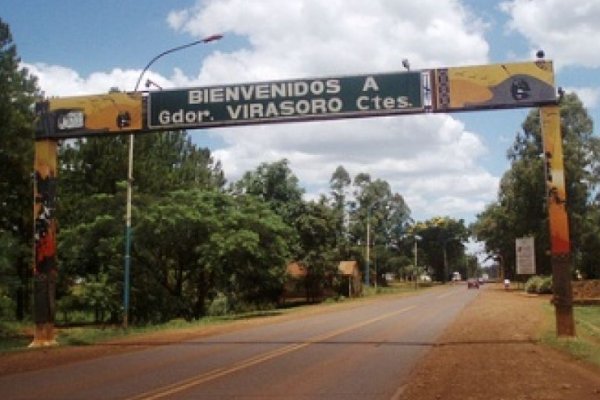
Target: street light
{"points": [[207, 39], [416, 249]]}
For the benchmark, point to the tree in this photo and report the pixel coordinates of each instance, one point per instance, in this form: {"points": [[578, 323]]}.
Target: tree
{"points": [[91, 262], [170, 161], [194, 245], [18, 91], [92, 208], [339, 184], [316, 228], [275, 184], [163, 162], [386, 213], [252, 252], [389, 214], [520, 207], [171, 277], [492, 226], [441, 243]]}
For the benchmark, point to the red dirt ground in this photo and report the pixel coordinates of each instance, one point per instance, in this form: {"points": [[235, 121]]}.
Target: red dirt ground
{"points": [[492, 352]]}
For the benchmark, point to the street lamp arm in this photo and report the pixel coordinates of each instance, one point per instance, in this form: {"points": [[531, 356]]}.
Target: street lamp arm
{"points": [[207, 39]]}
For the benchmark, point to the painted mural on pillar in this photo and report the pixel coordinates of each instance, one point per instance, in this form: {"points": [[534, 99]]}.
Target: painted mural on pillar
{"points": [[45, 267], [506, 85], [78, 116], [45, 224], [555, 180]]}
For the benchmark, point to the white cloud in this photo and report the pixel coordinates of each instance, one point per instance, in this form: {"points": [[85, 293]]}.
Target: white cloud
{"points": [[311, 37], [567, 31], [431, 160], [420, 156], [588, 95], [56, 80]]}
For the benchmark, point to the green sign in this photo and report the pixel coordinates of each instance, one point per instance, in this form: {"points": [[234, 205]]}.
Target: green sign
{"points": [[282, 101]]}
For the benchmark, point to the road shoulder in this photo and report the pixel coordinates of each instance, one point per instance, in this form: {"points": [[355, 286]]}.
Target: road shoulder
{"points": [[492, 351]]}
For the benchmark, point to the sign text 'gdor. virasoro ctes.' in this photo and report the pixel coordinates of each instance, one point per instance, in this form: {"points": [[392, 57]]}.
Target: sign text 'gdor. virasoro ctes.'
{"points": [[280, 101]]}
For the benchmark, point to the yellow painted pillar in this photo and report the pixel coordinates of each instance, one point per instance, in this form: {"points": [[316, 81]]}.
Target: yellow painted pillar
{"points": [[560, 247], [45, 269]]}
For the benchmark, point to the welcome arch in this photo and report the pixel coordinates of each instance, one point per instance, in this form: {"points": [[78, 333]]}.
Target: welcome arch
{"points": [[442, 90]]}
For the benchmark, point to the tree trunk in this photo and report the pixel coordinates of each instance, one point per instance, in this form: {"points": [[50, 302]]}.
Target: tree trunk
{"points": [[199, 308]]}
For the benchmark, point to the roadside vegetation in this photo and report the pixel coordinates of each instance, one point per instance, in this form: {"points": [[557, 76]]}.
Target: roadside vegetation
{"points": [[16, 335], [520, 208], [539, 284], [586, 345]]}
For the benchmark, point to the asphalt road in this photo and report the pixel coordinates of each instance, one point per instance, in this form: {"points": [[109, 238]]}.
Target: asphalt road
{"points": [[365, 351]]}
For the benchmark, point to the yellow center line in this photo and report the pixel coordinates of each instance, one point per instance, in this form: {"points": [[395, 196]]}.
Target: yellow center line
{"points": [[219, 372]]}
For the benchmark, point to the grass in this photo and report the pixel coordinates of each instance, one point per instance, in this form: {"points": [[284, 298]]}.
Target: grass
{"points": [[586, 345], [16, 336], [13, 336], [91, 334]]}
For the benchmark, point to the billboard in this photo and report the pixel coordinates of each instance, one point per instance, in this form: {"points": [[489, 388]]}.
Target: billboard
{"points": [[77, 116], [525, 249], [507, 85], [284, 101]]}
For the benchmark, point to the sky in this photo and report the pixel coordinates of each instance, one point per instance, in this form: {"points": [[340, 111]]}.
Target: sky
{"points": [[443, 164]]}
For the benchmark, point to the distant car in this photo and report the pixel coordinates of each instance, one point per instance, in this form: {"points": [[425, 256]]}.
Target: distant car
{"points": [[472, 284]]}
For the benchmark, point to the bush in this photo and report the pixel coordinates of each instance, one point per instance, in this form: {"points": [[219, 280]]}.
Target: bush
{"points": [[219, 306], [539, 284], [532, 284], [7, 307], [546, 285]]}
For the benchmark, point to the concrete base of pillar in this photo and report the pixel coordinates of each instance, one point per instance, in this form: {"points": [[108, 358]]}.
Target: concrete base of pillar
{"points": [[43, 336]]}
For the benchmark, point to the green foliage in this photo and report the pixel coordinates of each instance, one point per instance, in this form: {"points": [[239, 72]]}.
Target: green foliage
{"points": [[316, 228], [588, 256], [521, 210], [9, 250], [539, 284], [339, 184], [276, 184], [441, 242], [12, 336], [91, 211], [387, 212], [219, 305], [586, 345], [252, 252], [18, 90], [194, 246]]}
